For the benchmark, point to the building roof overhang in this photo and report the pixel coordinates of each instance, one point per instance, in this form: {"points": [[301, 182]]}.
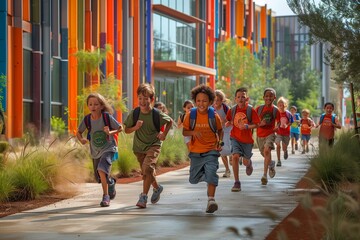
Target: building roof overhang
{"points": [[184, 68], [176, 14]]}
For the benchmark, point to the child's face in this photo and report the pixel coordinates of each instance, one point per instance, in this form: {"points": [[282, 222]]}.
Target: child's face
{"points": [[188, 107], [328, 109], [241, 98], [305, 115], [293, 111], [202, 102], [269, 98], [161, 108], [144, 102], [218, 102], [281, 106], [94, 105]]}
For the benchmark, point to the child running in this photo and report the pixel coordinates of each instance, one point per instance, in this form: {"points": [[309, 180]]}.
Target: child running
{"points": [[187, 106], [147, 140], [306, 124], [270, 117], [102, 143], [294, 129], [222, 109], [243, 118], [203, 124], [283, 133], [328, 123]]}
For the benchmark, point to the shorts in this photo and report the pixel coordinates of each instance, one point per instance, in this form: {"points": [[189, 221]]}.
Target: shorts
{"points": [[243, 149], [281, 138], [203, 167], [148, 161], [295, 135], [103, 164], [305, 137], [266, 141], [226, 149]]}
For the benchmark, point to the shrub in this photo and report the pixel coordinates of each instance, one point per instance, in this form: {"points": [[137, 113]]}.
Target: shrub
{"points": [[173, 150], [4, 146], [58, 126], [6, 186]]}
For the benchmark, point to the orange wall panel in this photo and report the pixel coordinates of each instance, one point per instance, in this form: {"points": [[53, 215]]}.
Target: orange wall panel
{"points": [[110, 36]]}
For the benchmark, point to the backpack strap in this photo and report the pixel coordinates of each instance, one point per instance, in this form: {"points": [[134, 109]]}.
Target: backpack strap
{"points": [[87, 121], [322, 118], [249, 113], [260, 109], [106, 119], [289, 116], [233, 112], [225, 107], [275, 110], [333, 116], [211, 117], [155, 117]]}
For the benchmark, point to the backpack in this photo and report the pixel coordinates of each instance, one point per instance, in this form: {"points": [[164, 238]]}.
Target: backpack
{"points": [[225, 107], [106, 119], [211, 117], [275, 109], [333, 116], [248, 113], [155, 116]]}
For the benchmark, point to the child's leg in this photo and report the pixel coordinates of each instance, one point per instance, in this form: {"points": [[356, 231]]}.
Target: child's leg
{"points": [[235, 166], [211, 190], [225, 162], [104, 183], [267, 159]]}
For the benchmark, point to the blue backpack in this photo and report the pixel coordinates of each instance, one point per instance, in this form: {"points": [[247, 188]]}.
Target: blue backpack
{"points": [[333, 116], [211, 116]]}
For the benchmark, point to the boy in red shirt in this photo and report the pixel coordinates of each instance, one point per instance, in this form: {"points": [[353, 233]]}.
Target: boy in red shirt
{"points": [[243, 118], [270, 117], [306, 124], [328, 123], [205, 142]]}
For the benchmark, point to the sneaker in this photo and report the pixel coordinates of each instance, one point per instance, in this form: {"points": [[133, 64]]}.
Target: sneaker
{"points": [[211, 206], [236, 187], [286, 155], [272, 171], [142, 201], [227, 173], [155, 197], [249, 169], [303, 152], [264, 180], [112, 190], [296, 146], [307, 149], [278, 163], [105, 201], [292, 152]]}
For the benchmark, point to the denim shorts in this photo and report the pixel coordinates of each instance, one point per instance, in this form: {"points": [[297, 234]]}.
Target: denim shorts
{"points": [[103, 164], [243, 149], [295, 135], [305, 137], [203, 167]]}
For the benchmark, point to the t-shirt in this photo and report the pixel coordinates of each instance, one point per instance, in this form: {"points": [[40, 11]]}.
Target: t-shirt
{"points": [[100, 142], [146, 136], [294, 128], [284, 120], [327, 129], [267, 114], [208, 140], [240, 118], [306, 125]]}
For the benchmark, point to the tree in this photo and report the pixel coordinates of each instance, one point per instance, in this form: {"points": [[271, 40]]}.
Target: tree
{"points": [[338, 23]]}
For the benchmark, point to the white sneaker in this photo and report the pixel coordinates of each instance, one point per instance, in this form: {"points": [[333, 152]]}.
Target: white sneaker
{"points": [[227, 173], [211, 206]]}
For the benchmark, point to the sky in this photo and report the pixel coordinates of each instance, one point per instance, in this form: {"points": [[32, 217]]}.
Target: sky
{"points": [[280, 7]]}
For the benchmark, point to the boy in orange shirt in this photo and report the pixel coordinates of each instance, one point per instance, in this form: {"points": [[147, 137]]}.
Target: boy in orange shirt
{"points": [[328, 123], [270, 117], [243, 118], [206, 141], [306, 124]]}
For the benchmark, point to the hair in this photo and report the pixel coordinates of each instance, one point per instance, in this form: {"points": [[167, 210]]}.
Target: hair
{"points": [[102, 101], [270, 90], [305, 110], [161, 105], [187, 102], [242, 89], [202, 88], [220, 94], [329, 103], [294, 107], [283, 100], [146, 89]]}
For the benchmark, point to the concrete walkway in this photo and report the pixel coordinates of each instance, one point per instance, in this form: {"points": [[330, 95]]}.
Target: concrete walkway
{"points": [[180, 213]]}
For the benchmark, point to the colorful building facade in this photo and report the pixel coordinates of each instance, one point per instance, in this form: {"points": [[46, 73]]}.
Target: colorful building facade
{"points": [[168, 43]]}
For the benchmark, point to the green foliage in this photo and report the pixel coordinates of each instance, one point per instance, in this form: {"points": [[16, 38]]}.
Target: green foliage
{"points": [[89, 62], [4, 146], [2, 87], [339, 163], [174, 150], [7, 187], [58, 126], [336, 22], [127, 161]]}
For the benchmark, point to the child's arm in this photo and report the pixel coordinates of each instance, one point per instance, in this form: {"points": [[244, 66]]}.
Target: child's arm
{"points": [[337, 123], [162, 135], [138, 125], [80, 138], [112, 132]]}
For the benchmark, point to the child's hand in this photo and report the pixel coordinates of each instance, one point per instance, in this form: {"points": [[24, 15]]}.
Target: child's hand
{"points": [[107, 130], [83, 141], [262, 123], [161, 136], [228, 124], [139, 123]]}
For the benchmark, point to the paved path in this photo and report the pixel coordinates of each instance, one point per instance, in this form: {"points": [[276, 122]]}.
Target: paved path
{"points": [[180, 213]]}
